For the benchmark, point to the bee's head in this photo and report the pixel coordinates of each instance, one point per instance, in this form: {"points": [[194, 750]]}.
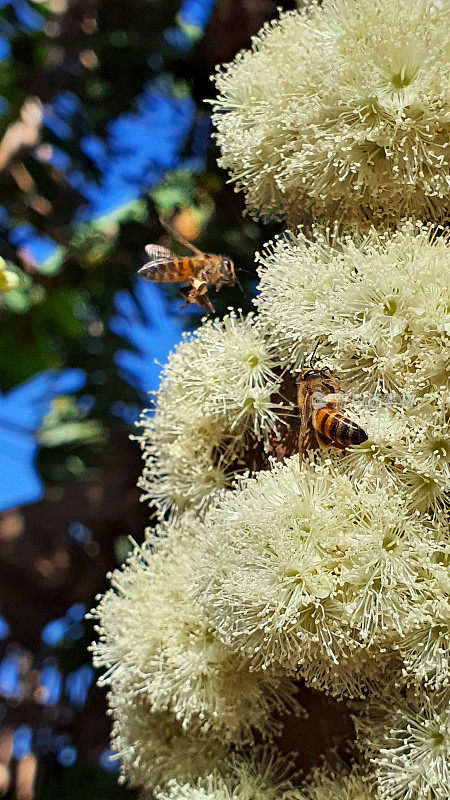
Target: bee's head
{"points": [[227, 269], [315, 374]]}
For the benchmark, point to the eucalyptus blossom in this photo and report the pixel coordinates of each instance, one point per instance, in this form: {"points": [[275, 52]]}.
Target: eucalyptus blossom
{"points": [[339, 111], [265, 573]]}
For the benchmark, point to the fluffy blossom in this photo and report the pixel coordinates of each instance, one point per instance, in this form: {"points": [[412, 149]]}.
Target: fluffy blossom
{"points": [[334, 781], [408, 744], [341, 111], [333, 573], [425, 650], [157, 640], [215, 390], [265, 775], [308, 572], [379, 308], [153, 747]]}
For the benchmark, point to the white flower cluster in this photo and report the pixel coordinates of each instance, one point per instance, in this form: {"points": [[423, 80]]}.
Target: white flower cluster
{"points": [[265, 775], [340, 111], [305, 571], [379, 308], [407, 742], [333, 574], [215, 390], [334, 781], [153, 747], [425, 649], [158, 643]]}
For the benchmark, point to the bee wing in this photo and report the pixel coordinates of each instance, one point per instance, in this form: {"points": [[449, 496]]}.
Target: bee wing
{"points": [[158, 253], [305, 431], [335, 400], [161, 260]]}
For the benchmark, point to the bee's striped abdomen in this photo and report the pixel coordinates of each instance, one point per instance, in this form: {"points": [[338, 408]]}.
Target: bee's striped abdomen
{"points": [[176, 270], [334, 426]]}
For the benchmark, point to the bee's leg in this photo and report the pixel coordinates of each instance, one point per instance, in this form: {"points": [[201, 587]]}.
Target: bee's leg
{"points": [[188, 295], [200, 287], [309, 443], [304, 404], [179, 236], [198, 292], [204, 302], [192, 296]]}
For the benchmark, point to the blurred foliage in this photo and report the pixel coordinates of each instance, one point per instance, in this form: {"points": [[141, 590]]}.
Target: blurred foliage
{"points": [[103, 127], [71, 784]]}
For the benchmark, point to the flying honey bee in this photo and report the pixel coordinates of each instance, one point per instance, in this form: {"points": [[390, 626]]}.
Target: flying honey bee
{"points": [[322, 424], [199, 271]]}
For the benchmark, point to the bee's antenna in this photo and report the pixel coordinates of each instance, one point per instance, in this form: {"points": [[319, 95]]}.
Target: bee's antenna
{"points": [[239, 283], [314, 353]]}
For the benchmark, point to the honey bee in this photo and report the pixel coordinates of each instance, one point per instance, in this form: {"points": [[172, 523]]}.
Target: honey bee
{"points": [[322, 424], [199, 271]]}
